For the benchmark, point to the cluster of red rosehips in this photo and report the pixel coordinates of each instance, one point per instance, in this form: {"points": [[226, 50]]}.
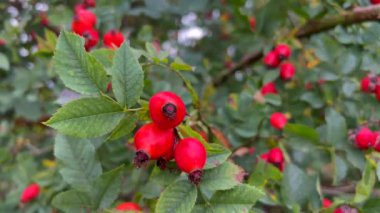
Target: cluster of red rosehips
{"points": [[84, 24], [274, 157], [371, 84], [159, 140], [274, 59], [365, 138]]}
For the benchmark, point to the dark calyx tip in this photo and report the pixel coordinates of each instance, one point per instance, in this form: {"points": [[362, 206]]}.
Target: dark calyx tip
{"points": [[282, 57], [195, 177], [161, 163], [170, 110], [141, 159]]}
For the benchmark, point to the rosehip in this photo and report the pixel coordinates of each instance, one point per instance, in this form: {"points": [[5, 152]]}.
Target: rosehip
{"points": [[30, 193], [113, 39], [278, 120], [271, 59], [167, 110], [283, 51], [287, 71], [375, 1], [91, 37], [376, 141], [364, 138], [377, 92], [275, 155], [269, 88], [326, 203], [252, 22], [190, 156], [2, 42], [109, 87], [83, 20], [365, 84], [79, 6], [345, 209], [128, 206], [152, 142], [44, 21]]}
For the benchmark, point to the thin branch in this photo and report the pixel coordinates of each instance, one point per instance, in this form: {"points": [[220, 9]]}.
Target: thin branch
{"points": [[355, 16]]}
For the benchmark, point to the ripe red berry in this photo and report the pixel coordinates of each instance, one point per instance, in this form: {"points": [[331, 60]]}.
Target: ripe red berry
{"points": [[377, 92], [364, 138], [167, 110], [113, 39], [278, 120], [109, 87], [271, 59], [79, 6], [91, 37], [275, 155], [375, 1], [326, 203], [287, 71], [269, 88], [44, 21], [283, 51], [2, 42], [190, 156], [152, 143], [83, 20], [365, 84], [128, 206], [376, 141], [30, 193], [252, 22]]}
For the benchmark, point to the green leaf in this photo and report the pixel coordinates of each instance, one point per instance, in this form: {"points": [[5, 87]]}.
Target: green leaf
{"points": [[178, 197], [365, 185], [275, 100], [87, 117], [127, 76], [78, 70], [188, 132], [222, 177], [303, 132], [216, 155], [296, 185], [371, 206], [72, 201], [313, 99], [340, 169], [336, 127], [125, 126], [106, 188], [270, 76], [104, 56], [79, 164], [179, 65], [262, 172], [4, 62], [348, 62], [239, 199]]}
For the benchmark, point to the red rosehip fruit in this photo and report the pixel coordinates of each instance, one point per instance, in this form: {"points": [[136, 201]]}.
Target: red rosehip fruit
{"points": [[79, 6], [345, 209], [271, 59], [269, 88], [365, 84], [287, 71], [167, 109], [30, 193], [377, 92], [91, 39], [152, 142], [376, 141], [326, 203], [190, 156], [375, 1], [83, 20], [252, 22], [113, 38], [128, 206], [2, 42], [275, 155], [109, 87], [278, 120], [283, 51], [364, 138], [44, 21]]}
